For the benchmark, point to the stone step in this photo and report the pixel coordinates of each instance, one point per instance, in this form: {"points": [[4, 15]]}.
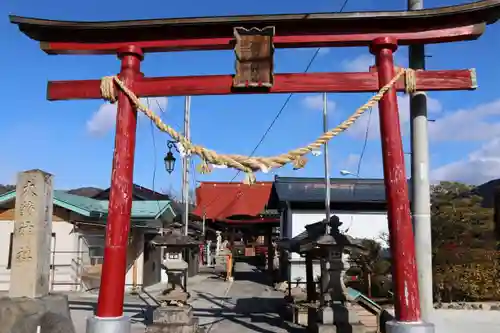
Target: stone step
{"points": [[369, 320]]}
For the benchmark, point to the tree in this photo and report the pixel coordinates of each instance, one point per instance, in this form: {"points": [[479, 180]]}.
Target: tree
{"points": [[465, 257], [373, 266], [6, 188]]}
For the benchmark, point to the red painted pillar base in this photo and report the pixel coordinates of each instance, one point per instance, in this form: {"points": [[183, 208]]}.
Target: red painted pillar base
{"points": [[109, 314], [404, 277]]}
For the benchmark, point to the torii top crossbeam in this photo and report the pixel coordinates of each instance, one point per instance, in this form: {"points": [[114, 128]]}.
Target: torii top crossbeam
{"points": [[436, 25]]}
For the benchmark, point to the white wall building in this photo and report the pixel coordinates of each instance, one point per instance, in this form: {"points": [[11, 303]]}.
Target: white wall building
{"points": [[359, 203], [78, 230]]}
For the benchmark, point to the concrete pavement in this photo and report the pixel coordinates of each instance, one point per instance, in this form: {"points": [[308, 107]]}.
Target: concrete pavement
{"points": [[249, 305], [246, 305], [139, 307]]}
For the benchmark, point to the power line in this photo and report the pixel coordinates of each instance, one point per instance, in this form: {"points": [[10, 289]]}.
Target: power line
{"points": [[276, 117], [360, 161], [315, 55], [287, 100], [343, 6], [363, 150]]}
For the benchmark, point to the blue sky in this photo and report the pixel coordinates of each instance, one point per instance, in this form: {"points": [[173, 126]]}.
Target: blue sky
{"points": [[66, 139]]}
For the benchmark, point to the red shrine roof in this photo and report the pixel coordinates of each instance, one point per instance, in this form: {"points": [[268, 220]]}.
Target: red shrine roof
{"points": [[222, 200]]}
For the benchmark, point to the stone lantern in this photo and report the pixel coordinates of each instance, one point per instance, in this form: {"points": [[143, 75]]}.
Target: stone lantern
{"points": [[323, 240], [174, 314]]}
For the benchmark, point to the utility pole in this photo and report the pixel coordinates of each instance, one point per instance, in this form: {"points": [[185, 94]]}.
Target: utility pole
{"points": [[323, 262], [185, 164], [326, 160], [421, 211]]}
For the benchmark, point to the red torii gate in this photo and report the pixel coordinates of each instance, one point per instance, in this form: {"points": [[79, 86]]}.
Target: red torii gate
{"points": [[382, 32]]}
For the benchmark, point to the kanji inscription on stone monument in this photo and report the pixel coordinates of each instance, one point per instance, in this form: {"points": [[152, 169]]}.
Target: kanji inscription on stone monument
{"points": [[32, 235]]}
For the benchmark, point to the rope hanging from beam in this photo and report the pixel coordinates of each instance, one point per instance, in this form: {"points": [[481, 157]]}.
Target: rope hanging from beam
{"points": [[251, 164]]}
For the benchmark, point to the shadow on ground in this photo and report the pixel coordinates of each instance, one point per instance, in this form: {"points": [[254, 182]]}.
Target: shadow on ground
{"points": [[139, 313], [247, 312], [255, 275]]}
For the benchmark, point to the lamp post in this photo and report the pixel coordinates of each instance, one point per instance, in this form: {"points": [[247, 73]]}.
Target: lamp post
{"points": [[170, 159]]}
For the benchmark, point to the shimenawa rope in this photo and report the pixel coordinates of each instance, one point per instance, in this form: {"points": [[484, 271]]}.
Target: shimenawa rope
{"points": [[250, 164]]}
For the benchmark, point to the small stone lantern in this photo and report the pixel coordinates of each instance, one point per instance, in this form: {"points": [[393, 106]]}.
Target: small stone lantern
{"points": [[174, 313], [174, 244]]}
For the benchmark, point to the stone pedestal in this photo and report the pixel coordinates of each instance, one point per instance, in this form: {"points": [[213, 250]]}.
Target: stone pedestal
{"points": [[173, 319], [24, 315]]}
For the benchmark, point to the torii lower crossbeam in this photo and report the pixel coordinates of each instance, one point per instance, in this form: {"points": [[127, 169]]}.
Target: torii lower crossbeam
{"points": [[284, 83]]}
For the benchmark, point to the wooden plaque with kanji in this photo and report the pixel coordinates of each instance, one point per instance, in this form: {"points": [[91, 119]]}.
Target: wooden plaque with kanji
{"points": [[254, 57]]}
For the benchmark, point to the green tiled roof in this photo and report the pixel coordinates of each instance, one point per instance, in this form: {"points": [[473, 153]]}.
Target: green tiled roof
{"points": [[141, 210], [146, 208], [81, 205]]}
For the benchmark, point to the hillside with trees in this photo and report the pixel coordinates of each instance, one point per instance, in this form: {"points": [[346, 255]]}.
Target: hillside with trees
{"points": [[6, 188], [465, 249]]}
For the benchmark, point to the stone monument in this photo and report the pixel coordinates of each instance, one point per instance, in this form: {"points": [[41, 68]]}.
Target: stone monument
{"points": [[30, 270], [29, 307]]}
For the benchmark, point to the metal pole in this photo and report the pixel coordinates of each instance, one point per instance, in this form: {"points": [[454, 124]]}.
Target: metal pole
{"points": [[185, 165], [203, 226], [421, 211], [326, 160], [323, 262]]}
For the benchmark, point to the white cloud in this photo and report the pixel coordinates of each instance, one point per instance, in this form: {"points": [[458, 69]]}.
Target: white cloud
{"points": [[358, 130], [323, 51], [361, 63], [479, 167], [350, 163], [476, 124], [480, 123], [104, 119], [315, 102]]}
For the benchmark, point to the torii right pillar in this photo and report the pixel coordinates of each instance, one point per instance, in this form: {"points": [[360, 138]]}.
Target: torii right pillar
{"points": [[404, 276]]}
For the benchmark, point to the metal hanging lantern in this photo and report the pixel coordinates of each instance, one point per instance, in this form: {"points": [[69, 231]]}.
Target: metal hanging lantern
{"points": [[170, 159], [169, 162]]}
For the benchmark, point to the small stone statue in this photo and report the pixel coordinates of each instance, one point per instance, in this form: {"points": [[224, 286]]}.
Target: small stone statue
{"points": [[208, 253], [219, 242]]}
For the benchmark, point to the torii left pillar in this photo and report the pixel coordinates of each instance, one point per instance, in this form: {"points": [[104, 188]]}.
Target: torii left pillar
{"points": [[109, 315]]}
